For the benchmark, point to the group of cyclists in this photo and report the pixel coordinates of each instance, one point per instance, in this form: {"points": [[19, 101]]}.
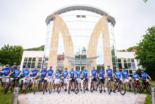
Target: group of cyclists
{"points": [[73, 74]]}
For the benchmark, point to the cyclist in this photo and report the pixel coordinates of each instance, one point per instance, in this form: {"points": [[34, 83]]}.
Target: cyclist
{"points": [[43, 75], [85, 75], [94, 75], [72, 75], [26, 74], [117, 76], [57, 79], [14, 67], [135, 76], [7, 73], [35, 73], [78, 74], [110, 75], [16, 76], [124, 77], [65, 75], [101, 74], [50, 75], [144, 76]]}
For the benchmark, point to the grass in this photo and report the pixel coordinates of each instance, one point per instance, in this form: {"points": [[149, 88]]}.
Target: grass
{"points": [[148, 99]]}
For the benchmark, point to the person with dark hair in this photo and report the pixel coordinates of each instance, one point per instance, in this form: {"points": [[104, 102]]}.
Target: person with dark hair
{"points": [[57, 79], [13, 67]]}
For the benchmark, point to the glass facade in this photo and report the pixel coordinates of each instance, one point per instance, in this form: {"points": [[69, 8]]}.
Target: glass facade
{"points": [[81, 24]]}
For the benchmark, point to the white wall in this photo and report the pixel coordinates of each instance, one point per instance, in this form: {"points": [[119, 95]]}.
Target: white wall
{"points": [[31, 54]]}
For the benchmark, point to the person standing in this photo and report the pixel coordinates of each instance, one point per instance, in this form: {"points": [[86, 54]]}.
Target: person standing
{"points": [[43, 75], [94, 75], [35, 73], [7, 73], [72, 76], [124, 77], [50, 73], [65, 75], [110, 75], [144, 77], [57, 79], [101, 75], [78, 74], [85, 75], [117, 76]]}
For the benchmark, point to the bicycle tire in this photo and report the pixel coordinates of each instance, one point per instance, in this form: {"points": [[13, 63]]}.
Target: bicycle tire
{"points": [[115, 86], [122, 88], [50, 89], [44, 88], [27, 86], [139, 88], [92, 87], [100, 87], [84, 87], [108, 87], [76, 90], [59, 88], [69, 87], [148, 88], [8, 86], [133, 88]]}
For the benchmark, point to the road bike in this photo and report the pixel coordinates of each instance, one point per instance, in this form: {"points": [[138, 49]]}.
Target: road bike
{"points": [[8, 86], [28, 85], [51, 86], [37, 83], [109, 85], [92, 85], [147, 86], [121, 87], [76, 89], [138, 85], [1, 76], [84, 84], [132, 86], [69, 86]]}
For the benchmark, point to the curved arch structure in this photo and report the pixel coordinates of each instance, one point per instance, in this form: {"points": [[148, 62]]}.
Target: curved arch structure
{"points": [[80, 7], [101, 26], [60, 26]]}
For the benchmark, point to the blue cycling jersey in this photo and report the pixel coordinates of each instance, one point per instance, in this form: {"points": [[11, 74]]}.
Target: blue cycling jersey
{"points": [[34, 72], [118, 75], [6, 71], [50, 72], [16, 73], [85, 72], [101, 73], [43, 73], [65, 74], [57, 75], [26, 72], [109, 71], [78, 73], [144, 75], [72, 73], [94, 72], [135, 76], [124, 74]]}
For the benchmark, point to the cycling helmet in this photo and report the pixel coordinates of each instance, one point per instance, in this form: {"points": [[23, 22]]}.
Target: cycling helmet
{"points": [[142, 69], [7, 65], [123, 68], [101, 67], [134, 71], [18, 66], [50, 66], [15, 63], [117, 68], [108, 66]]}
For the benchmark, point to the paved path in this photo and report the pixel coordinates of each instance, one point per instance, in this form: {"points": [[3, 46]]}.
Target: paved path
{"points": [[80, 98]]}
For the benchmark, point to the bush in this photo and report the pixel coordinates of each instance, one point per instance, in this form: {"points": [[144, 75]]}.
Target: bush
{"points": [[138, 71]]}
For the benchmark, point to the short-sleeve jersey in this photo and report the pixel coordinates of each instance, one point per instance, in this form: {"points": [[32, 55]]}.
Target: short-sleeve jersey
{"points": [[6, 71], [26, 72], [50, 72], [57, 75], [65, 74], [85, 73], [144, 75], [16, 73], [72, 73], [34, 72], [101, 73], [135, 76], [124, 74], [109, 71], [43, 73], [94, 72], [78, 73], [118, 75]]}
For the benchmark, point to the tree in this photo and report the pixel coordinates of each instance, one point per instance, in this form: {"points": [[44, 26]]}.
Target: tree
{"points": [[138, 71], [41, 48], [11, 54], [146, 52], [131, 48], [122, 50]]}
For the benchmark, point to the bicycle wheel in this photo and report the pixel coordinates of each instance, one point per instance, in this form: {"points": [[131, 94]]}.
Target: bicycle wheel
{"points": [[36, 86], [44, 87], [115, 86], [8, 86], [122, 88], [76, 90], [50, 89], [139, 88], [27, 86], [1, 82], [133, 88], [92, 87], [108, 87], [59, 88], [84, 87], [69, 87], [100, 87], [148, 88]]}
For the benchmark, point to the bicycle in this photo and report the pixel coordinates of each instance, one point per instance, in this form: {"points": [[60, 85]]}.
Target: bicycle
{"points": [[62, 82], [132, 86], [84, 84], [69, 86], [1, 76], [28, 85], [121, 87], [139, 86], [108, 85], [92, 85], [76, 89], [147, 86], [51, 86], [44, 85], [8, 86], [36, 85], [100, 85]]}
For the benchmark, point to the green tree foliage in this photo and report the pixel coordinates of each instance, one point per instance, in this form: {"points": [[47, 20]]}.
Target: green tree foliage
{"points": [[138, 71], [131, 48], [41, 48], [11, 54], [145, 1], [146, 52], [122, 50]]}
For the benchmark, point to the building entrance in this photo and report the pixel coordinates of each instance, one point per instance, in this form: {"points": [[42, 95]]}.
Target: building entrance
{"points": [[81, 67]]}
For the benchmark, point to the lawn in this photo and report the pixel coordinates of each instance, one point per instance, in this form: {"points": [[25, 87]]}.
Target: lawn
{"points": [[148, 99]]}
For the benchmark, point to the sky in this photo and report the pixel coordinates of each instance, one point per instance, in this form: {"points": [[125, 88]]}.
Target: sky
{"points": [[22, 22]]}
